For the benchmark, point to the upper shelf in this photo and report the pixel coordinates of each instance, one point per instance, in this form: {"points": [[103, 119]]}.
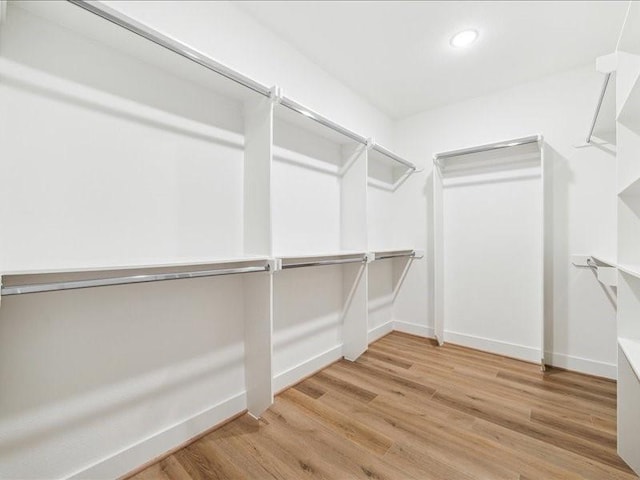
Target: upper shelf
{"points": [[134, 39], [401, 253], [518, 152], [138, 40]]}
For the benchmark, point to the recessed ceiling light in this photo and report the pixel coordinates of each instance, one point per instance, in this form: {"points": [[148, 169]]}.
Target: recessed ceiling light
{"points": [[464, 38]]}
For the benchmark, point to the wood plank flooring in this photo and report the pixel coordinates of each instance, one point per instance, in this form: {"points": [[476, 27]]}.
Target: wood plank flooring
{"points": [[410, 410]]}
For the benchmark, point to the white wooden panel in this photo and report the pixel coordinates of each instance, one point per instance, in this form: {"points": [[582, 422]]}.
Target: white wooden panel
{"points": [[258, 337], [354, 323], [493, 284], [305, 193], [307, 322], [353, 218], [628, 417], [108, 162], [380, 292], [353, 199], [83, 364], [257, 176], [438, 248]]}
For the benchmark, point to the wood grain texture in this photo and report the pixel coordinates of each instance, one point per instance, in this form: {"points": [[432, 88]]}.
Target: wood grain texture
{"points": [[408, 409]]}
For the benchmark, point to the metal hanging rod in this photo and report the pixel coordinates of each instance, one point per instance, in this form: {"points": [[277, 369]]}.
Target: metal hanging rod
{"points": [[170, 44], [189, 53], [105, 282], [393, 156], [299, 108], [598, 106], [485, 148], [396, 255], [592, 263], [320, 263]]}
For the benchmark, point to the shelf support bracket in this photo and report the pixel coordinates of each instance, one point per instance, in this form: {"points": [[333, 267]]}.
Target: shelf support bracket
{"points": [[275, 265], [370, 143], [275, 94]]}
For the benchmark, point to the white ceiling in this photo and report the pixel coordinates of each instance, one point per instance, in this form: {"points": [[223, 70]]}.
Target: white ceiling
{"points": [[397, 54]]}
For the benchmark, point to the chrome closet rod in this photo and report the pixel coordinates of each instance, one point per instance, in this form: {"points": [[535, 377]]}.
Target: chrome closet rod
{"points": [[319, 263], [486, 148], [105, 282], [171, 44], [396, 255], [299, 108], [394, 157], [197, 57], [598, 106]]}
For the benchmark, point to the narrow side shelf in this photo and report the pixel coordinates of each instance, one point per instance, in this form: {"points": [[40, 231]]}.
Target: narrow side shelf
{"points": [[631, 350], [397, 253], [633, 270], [631, 190]]}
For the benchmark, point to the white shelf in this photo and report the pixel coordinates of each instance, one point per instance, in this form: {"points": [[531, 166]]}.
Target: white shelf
{"points": [[605, 259], [630, 110], [632, 189], [633, 270], [191, 262], [97, 29], [398, 252], [631, 349]]}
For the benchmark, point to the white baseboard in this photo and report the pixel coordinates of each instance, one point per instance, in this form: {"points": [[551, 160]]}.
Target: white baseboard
{"points": [[380, 331], [132, 457], [507, 349], [582, 365], [414, 329], [306, 368], [158, 444]]}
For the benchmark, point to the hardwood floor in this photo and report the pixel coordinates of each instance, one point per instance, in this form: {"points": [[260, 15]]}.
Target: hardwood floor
{"points": [[410, 410]]}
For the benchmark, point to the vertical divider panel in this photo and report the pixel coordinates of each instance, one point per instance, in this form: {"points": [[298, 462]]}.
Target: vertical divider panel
{"points": [[258, 241], [546, 245], [258, 141], [353, 223], [438, 255]]}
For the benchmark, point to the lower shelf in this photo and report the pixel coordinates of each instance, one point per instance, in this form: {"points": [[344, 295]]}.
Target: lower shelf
{"points": [[631, 350], [628, 402]]}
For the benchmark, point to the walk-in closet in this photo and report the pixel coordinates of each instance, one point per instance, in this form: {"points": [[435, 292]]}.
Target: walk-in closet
{"points": [[327, 240]]}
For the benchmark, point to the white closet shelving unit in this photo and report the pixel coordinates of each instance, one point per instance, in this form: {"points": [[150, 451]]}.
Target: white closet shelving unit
{"points": [[243, 180], [628, 158], [319, 231], [477, 176], [393, 254]]}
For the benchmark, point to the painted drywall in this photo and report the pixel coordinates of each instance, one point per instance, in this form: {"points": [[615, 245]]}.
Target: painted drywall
{"points": [[581, 313], [100, 381], [224, 32]]}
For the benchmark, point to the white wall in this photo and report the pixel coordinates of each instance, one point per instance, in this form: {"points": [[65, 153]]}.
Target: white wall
{"points": [[225, 33], [581, 334], [98, 381]]}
